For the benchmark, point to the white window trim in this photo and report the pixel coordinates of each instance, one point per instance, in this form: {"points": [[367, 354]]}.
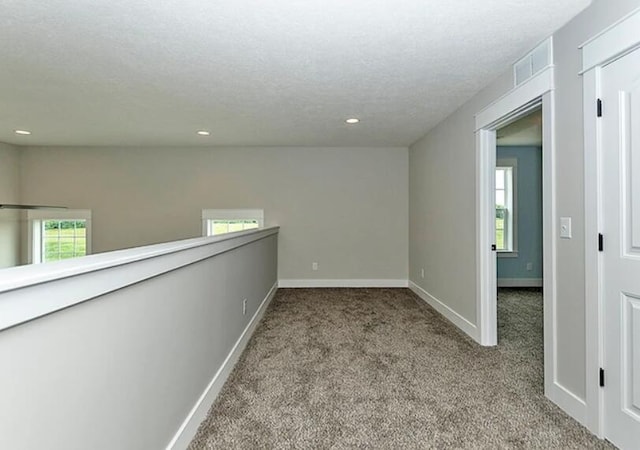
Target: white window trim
{"points": [[34, 217], [511, 163], [231, 214]]}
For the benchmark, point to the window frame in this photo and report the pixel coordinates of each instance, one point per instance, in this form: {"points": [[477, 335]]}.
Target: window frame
{"points": [[34, 227], [511, 198], [210, 215]]}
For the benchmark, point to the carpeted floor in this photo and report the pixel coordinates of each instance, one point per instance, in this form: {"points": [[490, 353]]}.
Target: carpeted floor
{"points": [[377, 368]]}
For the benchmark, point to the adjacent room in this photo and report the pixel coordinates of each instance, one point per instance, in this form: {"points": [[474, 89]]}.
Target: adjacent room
{"points": [[319, 224], [519, 240]]}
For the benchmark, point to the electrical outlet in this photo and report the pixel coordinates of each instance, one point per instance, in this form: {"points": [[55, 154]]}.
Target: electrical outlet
{"points": [[244, 306], [422, 273], [314, 266], [529, 266]]}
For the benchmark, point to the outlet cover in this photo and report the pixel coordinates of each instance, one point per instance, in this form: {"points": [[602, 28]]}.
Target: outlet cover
{"points": [[565, 227]]}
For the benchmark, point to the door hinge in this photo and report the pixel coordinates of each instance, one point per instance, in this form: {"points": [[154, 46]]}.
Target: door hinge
{"points": [[600, 242], [599, 108], [601, 377]]}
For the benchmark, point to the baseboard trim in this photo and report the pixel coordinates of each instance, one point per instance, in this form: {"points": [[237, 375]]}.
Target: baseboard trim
{"points": [[357, 283], [198, 413], [568, 402], [520, 282], [449, 314]]}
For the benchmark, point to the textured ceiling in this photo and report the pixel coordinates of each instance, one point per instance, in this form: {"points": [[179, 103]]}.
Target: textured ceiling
{"points": [[253, 72]]}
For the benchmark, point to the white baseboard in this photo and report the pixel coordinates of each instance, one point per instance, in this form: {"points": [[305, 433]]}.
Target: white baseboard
{"points": [[519, 282], [358, 283], [567, 401], [447, 312], [198, 413]]}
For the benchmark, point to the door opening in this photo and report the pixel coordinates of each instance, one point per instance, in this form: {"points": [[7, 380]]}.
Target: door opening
{"points": [[521, 102], [518, 237]]}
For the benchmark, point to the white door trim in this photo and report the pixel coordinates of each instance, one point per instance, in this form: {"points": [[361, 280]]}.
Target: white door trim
{"points": [[517, 103], [605, 47], [486, 267], [509, 105], [613, 42], [592, 224]]}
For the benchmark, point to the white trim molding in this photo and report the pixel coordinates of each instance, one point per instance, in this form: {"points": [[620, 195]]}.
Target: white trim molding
{"points": [[198, 413], [344, 283], [592, 223], [567, 401], [612, 43], [486, 260], [448, 313], [512, 103], [519, 282]]}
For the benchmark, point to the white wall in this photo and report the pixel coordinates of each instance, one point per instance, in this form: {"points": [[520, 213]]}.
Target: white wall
{"points": [[442, 196], [346, 208], [124, 369], [9, 193]]}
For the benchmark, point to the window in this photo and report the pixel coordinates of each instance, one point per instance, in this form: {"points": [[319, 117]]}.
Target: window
{"points": [[506, 206], [221, 221], [58, 235]]}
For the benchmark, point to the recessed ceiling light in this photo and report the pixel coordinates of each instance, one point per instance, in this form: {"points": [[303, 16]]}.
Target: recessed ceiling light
{"points": [[204, 133], [352, 120], [23, 132]]}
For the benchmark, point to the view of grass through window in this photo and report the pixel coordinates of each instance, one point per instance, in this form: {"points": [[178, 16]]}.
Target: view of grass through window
{"points": [[500, 215], [63, 239], [229, 226]]}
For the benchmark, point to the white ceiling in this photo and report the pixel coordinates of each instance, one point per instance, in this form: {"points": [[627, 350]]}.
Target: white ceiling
{"points": [[526, 131], [253, 72]]}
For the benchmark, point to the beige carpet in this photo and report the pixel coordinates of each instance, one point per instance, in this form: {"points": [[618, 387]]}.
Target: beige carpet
{"points": [[377, 368]]}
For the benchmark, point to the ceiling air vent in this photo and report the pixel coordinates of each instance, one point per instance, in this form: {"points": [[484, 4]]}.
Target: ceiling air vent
{"points": [[534, 62]]}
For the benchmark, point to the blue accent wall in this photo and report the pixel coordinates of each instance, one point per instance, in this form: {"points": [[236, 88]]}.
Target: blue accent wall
{"points": [[529, 211]]}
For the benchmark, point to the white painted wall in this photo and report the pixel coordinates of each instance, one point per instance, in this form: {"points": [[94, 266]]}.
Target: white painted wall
{"points": [[9, 193], [346, 208], [124, 369], [442, 196]]}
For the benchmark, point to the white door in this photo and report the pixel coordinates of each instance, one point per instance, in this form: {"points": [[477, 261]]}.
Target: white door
{"points": [[621, 257]]}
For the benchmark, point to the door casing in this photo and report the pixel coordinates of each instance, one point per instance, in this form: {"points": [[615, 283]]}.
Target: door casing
{"points": [[614, 42], [539, 90]]}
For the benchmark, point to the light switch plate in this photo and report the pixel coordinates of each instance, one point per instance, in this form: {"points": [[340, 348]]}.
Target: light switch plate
{"points": [[565, 227]]}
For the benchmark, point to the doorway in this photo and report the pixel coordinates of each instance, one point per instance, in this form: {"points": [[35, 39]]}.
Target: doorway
{"points": [[536, 94], [518, 239]]}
